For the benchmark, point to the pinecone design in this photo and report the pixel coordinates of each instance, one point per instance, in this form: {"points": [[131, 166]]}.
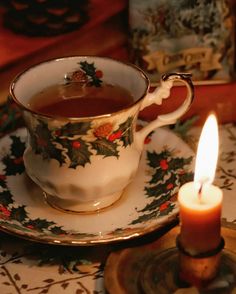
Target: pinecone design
{"points": [[79, 76], [103, 131]]}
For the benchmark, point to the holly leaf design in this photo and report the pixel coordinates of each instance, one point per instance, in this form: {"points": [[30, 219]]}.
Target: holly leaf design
{"points": [[157, 176], [90, 71], [19, 213], [154, 191], [169, 174], [154, 212], [127, 132], [56, 230], [10, 117], [13, 166], [72, 129], [77, 151], [54, 153], [179, 162], [6, 198], [40, 224], [145, 217], [168, 210], [43, 143], [89, 68], [185, 178], [3, 183], [105, 147], [157, 202], [40, 138], [13, 161], [161, 188], [42, 130], [17, 146], [155, 158]]}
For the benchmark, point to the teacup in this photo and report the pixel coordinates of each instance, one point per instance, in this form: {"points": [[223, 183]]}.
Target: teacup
{"points": [[83, 164]]}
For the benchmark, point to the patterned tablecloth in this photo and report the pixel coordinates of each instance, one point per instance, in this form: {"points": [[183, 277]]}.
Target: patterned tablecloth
{"points": [[30, 267], [226, 169]]}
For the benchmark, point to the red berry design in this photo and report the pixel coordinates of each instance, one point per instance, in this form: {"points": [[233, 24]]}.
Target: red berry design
{"points": [[76, 144], [2, 177], [164, 164], [58, 132], [30, 226], [118, 134], [112, 137], [164, 206], [169, 186], [115, 136], [147, 140], [5, 211], [18, 160], [99, 74]]}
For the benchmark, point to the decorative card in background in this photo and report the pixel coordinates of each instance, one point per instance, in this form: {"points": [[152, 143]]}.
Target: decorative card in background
{"points": [[195, 36]]}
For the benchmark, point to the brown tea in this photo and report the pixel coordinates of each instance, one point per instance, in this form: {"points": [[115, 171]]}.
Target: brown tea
{"points": [[73, 100]]}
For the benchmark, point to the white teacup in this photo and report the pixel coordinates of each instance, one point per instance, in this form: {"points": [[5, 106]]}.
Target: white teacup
{"points": [[83, 164]]}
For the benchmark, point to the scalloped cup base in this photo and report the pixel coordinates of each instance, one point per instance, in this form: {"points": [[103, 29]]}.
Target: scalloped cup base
{"points": [[82, 207]]}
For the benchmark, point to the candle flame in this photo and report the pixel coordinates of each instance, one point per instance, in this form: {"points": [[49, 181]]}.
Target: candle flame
{"points": [[207, 152]]}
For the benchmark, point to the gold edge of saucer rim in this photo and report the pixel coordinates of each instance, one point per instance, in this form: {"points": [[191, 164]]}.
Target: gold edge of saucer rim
{"points": [[73, 242]]}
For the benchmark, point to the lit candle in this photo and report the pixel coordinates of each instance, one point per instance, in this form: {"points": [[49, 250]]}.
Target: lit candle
{"points": [[199, 201]]}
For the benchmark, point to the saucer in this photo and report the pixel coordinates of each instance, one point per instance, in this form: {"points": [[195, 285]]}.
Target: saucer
{"points": [[147, 204]]}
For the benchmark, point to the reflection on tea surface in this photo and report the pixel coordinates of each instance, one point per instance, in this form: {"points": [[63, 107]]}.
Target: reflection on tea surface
{"points": [[79, 100]]}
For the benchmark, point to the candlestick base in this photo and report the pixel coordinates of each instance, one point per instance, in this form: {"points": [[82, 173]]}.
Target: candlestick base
{"points": [[161, 274], [200, 268]]}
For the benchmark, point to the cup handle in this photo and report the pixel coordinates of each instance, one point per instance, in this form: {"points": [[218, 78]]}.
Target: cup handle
{"points": [[161, 93]]}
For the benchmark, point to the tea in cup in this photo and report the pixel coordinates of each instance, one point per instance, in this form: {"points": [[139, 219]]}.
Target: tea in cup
{"points": [[81, 112]]}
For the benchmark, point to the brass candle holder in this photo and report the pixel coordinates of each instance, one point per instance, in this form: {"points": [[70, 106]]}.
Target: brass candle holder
{"points": [[176, 271]]}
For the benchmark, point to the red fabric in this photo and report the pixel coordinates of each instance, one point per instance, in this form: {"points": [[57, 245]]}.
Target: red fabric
{"points": [[220, 98]]}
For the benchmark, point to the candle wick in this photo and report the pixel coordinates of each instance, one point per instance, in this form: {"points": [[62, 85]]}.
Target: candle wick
{"points": [[200, 188], [201, 185], [200, 191]]}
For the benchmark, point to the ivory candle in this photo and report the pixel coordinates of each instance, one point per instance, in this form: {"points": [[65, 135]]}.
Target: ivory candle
{"points": [[200, 202]]}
